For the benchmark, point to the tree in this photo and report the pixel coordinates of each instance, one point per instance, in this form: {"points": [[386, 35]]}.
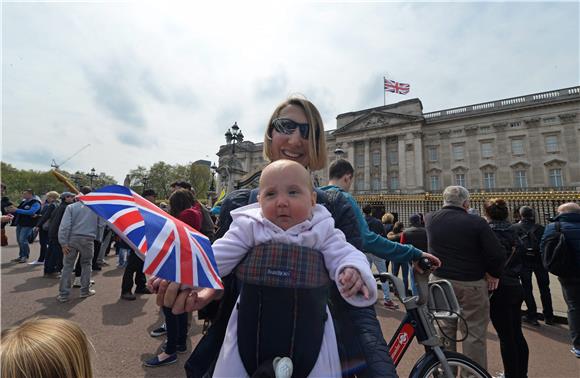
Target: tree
{"points": [[40, 182]]}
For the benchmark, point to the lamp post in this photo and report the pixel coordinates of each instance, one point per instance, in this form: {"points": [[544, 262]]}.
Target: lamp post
{"points": [[211, 192], [145, 181], [92, 175], [233, 136], [338, 152]]}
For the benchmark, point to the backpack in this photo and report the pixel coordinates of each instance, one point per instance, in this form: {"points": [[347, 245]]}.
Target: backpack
{"points": [[528, 244], [557, 257], [282, 306], [207, 225]]}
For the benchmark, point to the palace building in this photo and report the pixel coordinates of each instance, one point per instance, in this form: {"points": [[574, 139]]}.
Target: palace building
{"points": [[525, 143]]}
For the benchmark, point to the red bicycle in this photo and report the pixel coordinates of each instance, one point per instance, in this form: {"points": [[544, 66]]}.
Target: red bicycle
{"points": [[436, 300]]}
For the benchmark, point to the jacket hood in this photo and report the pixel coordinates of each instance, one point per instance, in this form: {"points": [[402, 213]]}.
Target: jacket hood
{"points": [[253, 211]]}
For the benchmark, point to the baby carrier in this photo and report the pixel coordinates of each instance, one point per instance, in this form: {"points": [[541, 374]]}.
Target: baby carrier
{"points": [[282, 306]]}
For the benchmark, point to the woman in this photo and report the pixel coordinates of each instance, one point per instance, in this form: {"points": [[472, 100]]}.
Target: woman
{"points": [[506, 300], [395, 235], [294, 132], [387, 221], [181, 206], [43, 224]]}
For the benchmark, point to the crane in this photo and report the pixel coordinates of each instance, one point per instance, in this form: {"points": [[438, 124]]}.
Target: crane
{"points": [[57, 166]]}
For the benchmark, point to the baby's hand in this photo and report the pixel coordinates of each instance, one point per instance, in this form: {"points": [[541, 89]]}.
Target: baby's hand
{"points": [[351, 283]]}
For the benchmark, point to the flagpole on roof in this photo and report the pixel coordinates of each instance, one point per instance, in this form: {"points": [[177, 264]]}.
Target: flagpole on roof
{"points": [[384, 92]]}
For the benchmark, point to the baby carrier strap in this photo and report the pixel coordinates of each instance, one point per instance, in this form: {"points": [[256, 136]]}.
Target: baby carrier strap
{"points": [[282, 307]]}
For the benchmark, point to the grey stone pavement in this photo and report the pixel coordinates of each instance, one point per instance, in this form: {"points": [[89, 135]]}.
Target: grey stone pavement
{"points": [[119, 330]]}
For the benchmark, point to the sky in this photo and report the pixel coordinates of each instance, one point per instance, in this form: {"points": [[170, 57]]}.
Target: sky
{"points": [[143, 82]]}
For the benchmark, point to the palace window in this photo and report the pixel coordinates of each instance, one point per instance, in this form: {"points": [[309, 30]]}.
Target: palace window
{"points": [[394, 182], [555, 176], [376, 158], [521, 180], [360, 160], [489, 180], [460, 179], [375, 184], [393, 157], [434, 182], [433, 153], [517, 146], [552, 143], [516, 124], [458, 151], [486, 149]]}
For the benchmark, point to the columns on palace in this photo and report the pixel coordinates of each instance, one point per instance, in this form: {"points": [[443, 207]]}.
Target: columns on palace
{"points": [[384, 164], [402, 162], [367, 167], [418, 149]]}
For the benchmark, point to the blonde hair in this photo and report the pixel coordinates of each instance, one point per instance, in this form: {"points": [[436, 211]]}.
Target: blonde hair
{"points": [[48, 348], [316, 137], [388, 218], [52, 194]]}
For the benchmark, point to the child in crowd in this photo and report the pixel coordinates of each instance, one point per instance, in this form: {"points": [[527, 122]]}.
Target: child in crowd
{"points": [[48, 348], [285, 248]]}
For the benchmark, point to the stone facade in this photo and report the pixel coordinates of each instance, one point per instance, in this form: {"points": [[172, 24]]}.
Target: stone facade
{"points": [[531, 142]]}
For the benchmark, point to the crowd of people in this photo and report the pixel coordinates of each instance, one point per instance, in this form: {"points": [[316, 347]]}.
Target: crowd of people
{"points": [[311, 312]]}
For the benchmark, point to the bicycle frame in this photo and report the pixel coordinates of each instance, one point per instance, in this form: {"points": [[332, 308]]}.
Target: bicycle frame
{"points": [[416, 323]]}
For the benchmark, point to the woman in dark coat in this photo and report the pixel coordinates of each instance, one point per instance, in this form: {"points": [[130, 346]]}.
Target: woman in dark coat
{"points": [[506, 301]]}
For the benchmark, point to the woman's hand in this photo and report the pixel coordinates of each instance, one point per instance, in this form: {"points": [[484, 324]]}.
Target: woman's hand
{"points": [[492, 282], [180, 299], [351, 283]]}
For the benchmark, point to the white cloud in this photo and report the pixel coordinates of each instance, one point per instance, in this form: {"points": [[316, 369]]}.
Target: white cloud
{"points": [[144, 82]]}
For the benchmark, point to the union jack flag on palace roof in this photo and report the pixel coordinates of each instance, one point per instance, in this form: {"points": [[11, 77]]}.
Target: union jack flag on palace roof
{"points": [[171, 249], [396, 87]]}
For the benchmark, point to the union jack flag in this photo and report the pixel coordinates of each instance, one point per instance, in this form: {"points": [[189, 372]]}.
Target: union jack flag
{"points": [[172, 250], [396, 87]]}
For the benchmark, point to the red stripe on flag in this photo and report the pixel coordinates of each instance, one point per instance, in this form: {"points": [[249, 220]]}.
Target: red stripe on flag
{"points": [[161, 255], [185, 256], [127, 220]]}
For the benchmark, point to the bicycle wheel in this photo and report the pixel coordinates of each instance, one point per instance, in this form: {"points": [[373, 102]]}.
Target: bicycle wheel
{"points": [[462, 366]]}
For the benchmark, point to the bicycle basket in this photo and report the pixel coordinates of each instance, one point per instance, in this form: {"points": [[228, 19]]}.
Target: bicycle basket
{"points": [[442, 300]]}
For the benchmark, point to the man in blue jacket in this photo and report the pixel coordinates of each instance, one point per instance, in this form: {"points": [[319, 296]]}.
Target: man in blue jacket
{"points": [[569, 218], [25, 221]]}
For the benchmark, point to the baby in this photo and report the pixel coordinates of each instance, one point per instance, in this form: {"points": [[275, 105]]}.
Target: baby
{"points": [[286, 221]]}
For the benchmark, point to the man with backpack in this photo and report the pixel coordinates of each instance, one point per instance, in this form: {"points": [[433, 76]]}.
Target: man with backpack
{"points": [[529, 236], [568, 223]]}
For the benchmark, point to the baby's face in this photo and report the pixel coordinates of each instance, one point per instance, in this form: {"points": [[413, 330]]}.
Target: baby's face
{"points": [[286, 196]]}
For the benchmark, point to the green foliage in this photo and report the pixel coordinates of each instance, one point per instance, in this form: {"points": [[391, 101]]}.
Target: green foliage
{"points": [[41, 182], [161, 175]]}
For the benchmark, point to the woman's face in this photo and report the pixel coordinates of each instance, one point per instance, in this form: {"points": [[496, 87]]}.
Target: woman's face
{"points": [[293, 146]]}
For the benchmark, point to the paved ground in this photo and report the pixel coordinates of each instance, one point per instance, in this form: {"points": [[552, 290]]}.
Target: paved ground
{"points": [[119, 329]]}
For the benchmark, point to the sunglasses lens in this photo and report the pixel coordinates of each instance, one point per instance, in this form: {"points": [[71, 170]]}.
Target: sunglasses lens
{"points": [[287, 126]]}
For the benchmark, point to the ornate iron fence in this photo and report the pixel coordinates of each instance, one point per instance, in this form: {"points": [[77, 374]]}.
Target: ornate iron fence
{"points": [[404, 205]]}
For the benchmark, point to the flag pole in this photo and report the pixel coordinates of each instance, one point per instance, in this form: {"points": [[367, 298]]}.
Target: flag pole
{"points": [[384, 92]]}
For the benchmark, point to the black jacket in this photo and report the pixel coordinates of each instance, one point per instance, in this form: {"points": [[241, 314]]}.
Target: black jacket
{"points": [[375, 225], [514, 260], [465, 244], [417, 237], [55, 220], [45, 214]]}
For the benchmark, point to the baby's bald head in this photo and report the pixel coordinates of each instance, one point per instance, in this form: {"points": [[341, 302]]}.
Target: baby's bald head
{"points": [[287, 167]]}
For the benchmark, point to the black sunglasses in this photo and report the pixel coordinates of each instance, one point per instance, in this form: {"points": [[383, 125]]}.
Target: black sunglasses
{"points": [[287, 126]]}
